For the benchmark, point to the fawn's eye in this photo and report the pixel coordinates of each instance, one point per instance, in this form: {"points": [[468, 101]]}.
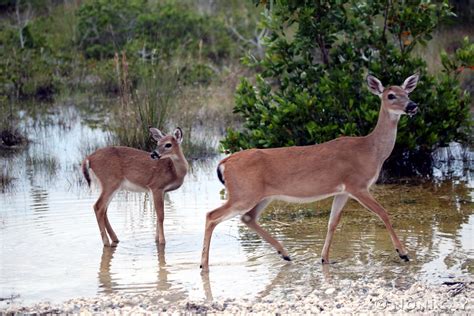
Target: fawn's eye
{"points": [[168, 145], [392, 97]]}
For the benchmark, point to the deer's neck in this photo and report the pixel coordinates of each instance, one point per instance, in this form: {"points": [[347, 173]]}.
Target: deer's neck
{"points": [[384, 135], [180, 164]]}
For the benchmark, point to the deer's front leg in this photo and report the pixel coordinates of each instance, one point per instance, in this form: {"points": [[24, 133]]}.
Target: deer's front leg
{"points": [[160, 216], [371, 204], [336, 212]]}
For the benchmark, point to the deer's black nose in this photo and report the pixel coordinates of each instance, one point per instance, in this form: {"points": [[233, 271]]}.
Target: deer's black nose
{"points": [[154, 155], [411, 107]]}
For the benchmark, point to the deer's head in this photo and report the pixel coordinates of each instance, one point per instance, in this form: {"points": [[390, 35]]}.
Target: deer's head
{"points": [[167, 145], [395, 98]]}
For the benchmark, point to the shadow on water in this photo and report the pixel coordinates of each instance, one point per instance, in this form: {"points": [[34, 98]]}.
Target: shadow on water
{"points": [[51, 248], [109, 280]]}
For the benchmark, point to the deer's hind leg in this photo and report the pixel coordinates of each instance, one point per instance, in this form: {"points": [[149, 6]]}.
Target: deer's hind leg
{"points": [[220, 214], [250, 219], [100, 208], [110, 231]]}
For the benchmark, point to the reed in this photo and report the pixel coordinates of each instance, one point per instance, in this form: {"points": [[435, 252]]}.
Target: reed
{"points": [[43, 163], [149, 105], [6, 180], [162, 101]]}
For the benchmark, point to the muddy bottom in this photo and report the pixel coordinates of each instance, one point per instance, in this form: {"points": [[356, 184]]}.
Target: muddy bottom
{"points": [[51, 247]]}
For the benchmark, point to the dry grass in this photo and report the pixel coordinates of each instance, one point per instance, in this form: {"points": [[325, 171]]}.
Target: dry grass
{"points": [[162, 101], [448, 39]]}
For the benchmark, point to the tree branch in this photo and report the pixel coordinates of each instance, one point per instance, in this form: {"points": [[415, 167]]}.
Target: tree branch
{"points": [[322, 47], [387, 6]]}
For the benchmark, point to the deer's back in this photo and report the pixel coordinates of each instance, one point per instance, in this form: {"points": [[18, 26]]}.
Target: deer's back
{"points": [[117, 164], [301, 170]]}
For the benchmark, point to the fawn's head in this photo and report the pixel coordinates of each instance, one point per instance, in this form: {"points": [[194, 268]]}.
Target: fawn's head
{"points": [[395, 98], [168, 146]]}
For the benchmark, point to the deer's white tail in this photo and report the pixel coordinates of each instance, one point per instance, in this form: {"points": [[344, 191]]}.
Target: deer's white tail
{"points": [[220, 173]]}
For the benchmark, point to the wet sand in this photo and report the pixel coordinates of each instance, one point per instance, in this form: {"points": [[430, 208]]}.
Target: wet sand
{"points": [[454, 297]]}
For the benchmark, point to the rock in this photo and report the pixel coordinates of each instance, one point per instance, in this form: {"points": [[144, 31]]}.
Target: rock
{"points": [[330, 291]]}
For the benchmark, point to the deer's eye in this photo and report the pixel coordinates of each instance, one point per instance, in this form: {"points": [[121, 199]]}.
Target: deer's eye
{"points": [[168, 145], [392, 97]]}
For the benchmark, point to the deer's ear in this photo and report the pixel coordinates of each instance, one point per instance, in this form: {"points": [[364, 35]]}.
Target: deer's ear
{"points": [[375, 86], [410, 83], [156, 133], [178, 134]]}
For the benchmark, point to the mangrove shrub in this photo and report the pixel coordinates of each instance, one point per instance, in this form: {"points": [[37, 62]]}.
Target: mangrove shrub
{"points": [[310, 85]]}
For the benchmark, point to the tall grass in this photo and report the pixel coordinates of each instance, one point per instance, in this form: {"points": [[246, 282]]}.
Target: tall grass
{"points": [[43, 163], [160, 100], [10, 134], [151, 104], [6, 179]]}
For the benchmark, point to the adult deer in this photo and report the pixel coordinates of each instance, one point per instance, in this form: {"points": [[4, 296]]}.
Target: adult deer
{"points": [[344, 167], [124, 168]]}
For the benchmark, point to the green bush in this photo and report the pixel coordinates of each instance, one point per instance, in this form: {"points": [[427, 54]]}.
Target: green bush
{"points": [[311, 87], [37, 66], [28, 73], [106, 27], [198, 74], [170, 28]]}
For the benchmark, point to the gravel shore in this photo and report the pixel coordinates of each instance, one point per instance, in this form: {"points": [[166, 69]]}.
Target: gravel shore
{"points": [[347, 297]]}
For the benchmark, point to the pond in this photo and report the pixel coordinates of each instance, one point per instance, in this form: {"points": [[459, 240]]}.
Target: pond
{"points": [[51, 248]]}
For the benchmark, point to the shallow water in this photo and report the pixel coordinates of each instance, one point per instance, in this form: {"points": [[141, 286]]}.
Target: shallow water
{"points": [[51, 248]]}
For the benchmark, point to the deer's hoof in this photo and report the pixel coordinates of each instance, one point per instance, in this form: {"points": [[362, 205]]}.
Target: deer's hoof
{"points": [[403, 257], [285, 257]]}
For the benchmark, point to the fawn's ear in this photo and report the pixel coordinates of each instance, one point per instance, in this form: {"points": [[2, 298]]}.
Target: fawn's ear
{"points": [[156, 133], [375, 86], [178, 134], [410, 83]]}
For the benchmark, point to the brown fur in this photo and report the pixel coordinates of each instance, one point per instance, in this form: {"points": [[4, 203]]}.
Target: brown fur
{"points": [[344, 167], [127, 168]]}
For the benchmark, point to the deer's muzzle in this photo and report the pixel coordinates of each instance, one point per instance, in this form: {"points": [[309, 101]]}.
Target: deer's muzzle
{"points": [[155, 155], [411, 108]]}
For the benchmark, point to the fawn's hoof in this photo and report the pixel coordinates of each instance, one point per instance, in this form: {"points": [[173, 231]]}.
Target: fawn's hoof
{"points": [[323, 261], [204, 270]]}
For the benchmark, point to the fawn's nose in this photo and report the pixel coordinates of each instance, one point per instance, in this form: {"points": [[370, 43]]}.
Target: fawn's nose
{"points": [[155, 155], [411, 108]]}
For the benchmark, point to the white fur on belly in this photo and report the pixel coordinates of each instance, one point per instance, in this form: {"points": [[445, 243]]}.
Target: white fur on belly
{"points": [[307, 199], [297, 199], [130, 186]]}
